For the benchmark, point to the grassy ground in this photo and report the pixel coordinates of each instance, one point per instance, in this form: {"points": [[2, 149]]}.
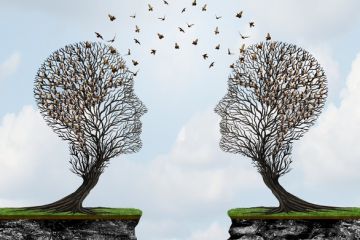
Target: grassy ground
{"points": [[101, 213], [260, 213]]}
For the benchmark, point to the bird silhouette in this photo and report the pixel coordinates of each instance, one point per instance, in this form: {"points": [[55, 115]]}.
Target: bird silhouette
{"points": [[239, 14], [98, 35], [153, 51], [112, 50], [242, 48], [111, 17], [162, 19], [183, 10], [135, 73], [128, 53], [218, 17], [181, 30], [112, 40], [195, 42], [211, 64], [150, 8], [205, 56], [133, 16], [216, 30], [165, 2], [87, 45], [268, 37], [137, 41], [204, 8], [259, 46], [137, 29], [251, 24], [135, 62], [194, 3], [160, 36], [217, 47], [189, 25], [229, 52], [243, 37], [177, 46], [232, 66]]}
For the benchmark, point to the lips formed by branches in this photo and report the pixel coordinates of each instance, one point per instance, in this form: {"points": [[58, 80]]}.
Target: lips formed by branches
{"points": [[275, 93], [85, 93]]}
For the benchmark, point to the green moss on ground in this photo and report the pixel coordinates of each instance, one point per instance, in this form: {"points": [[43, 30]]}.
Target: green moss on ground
{"points": [[99, 213], [261, 213]]}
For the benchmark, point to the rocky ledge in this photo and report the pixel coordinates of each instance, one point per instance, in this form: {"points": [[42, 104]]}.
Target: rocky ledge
{"points": [[68, 229], [294, 229]]}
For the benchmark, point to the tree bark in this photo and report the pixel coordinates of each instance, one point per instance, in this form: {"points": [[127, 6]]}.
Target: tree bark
{"points": [[73, 202], [287, 201]]}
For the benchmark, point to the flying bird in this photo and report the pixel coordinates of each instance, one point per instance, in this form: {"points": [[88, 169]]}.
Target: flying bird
{"points": [[216, 30], [128, 53], [189, 25], [229, 52], [135, 73], [162, 19], [239, 14], [87, 45], [205, 56], [217, 47], [232, 66], [112, 40], [243, 37], [111, 17], [194, 3], [133, 16], [160, 36], [268, 37], [181, 30], [150, 8], [204, 8], [165, 2], [182, 11], [135, 62], [137, 41], [252, 24], [195, 42], [211, 64], [137, 29], [98, 35], [177, 46], [218, 17], [153, 51]]}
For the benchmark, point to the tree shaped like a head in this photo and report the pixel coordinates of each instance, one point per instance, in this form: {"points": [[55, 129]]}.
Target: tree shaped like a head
{"points": [[85, 93], [275, 94]]}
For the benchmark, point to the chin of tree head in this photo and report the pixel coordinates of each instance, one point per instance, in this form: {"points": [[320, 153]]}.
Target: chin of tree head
{"points": [[85, 93], [275, 93]]}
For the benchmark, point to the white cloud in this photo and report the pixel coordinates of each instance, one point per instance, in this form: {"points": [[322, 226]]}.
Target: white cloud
{"points": [[29, 153], [10, 65], [329, 151], [213, 232]]}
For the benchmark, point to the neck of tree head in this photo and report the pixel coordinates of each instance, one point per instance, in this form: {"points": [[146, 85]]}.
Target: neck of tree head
{"points": [[85, 93], [275, 93]]}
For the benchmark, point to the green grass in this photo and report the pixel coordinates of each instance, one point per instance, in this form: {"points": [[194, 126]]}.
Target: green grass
{"points": [[109, 213], [260, 213]]}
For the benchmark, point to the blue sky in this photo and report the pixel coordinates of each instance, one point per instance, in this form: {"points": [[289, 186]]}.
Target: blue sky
{"points": [[180, 178]]}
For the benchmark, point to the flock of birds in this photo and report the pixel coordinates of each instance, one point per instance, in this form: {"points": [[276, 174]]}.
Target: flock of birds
{"points": [[181, 29]]}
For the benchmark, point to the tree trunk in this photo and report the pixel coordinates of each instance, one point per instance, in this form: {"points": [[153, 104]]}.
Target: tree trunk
{"points": [[287, 201], [73, 202]]}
